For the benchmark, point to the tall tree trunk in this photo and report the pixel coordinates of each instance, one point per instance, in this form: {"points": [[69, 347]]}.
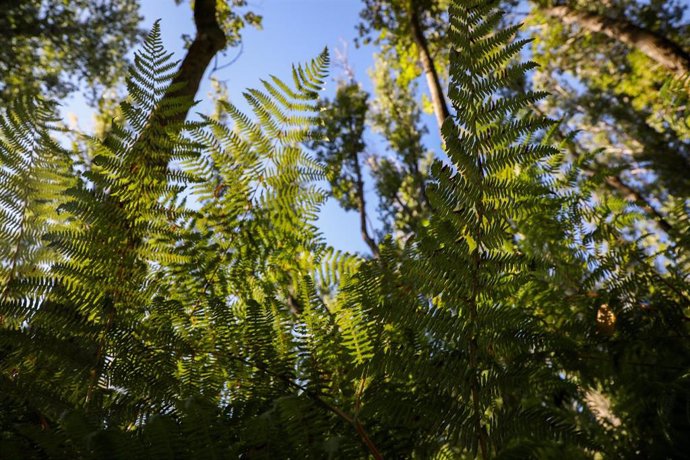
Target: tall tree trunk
{"points": [[657, 47], [209, 40], [433, 81]]}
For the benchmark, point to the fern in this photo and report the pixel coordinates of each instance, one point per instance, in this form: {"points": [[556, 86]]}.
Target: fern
{"points": [[86, 325], [448, 321], [527, 317]]}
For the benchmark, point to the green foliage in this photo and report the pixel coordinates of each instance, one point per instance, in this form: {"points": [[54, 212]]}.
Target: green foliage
{"points": [[233, 16], [613, 92], [454, 341], [341, 143], [173, 297], [388, 20], [57, 47], [400, 174], [50, 43]]}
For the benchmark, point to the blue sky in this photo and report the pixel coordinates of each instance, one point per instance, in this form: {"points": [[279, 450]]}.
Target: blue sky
{"points": [[294, 31]]}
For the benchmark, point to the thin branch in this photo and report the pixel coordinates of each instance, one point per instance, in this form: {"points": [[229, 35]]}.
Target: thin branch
{"points": [[361, 207], [352, 420], [342, 61], [217, 67], [633, 195]]}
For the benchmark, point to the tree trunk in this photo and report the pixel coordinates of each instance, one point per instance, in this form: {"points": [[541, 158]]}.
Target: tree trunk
{"points": [[362, 208], [433, 81], [209, 40], [657, 47]]}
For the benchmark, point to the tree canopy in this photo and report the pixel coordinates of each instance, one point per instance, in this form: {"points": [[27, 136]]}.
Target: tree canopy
{"points": [[166, 291]]}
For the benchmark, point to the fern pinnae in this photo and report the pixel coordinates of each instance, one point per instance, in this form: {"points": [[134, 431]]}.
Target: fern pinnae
{"points": [[474, 200], [34, 173]]}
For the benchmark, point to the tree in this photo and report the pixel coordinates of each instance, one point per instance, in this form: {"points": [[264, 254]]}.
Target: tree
{"points": [[402, 23], [340, 146], [641, 133], [56, 47], [522, 316], [630, 95], [654, 45], [50, 45]]}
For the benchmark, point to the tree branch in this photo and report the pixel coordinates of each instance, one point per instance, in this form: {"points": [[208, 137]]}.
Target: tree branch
{"points": [[433, 81], [361, 432], [655, 46], [633, 195], [361, 207], [616, 183], [209, 40]]}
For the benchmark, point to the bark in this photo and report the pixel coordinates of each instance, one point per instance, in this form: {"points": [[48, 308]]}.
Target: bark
{"points": [[361, 207], [433, 81], [209, 40], [655, 46]]}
